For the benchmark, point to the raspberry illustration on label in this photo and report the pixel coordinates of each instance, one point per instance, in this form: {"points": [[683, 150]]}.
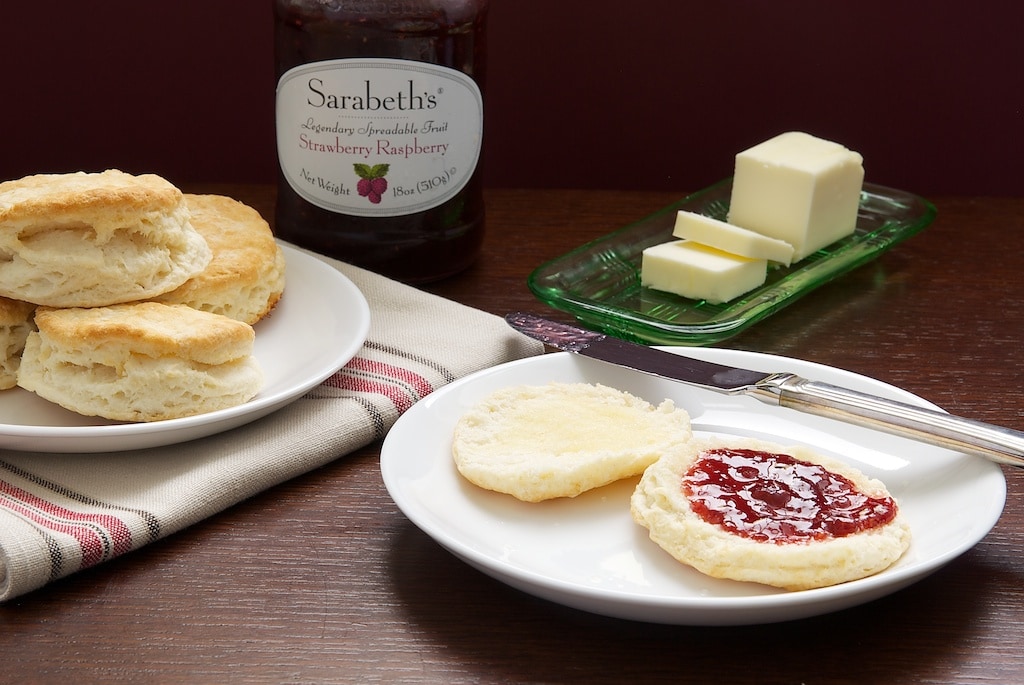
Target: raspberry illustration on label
{"points": [[372, 183]]}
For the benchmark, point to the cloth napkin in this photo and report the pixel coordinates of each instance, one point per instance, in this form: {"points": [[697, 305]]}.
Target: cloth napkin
{"points": [[60, 513]]}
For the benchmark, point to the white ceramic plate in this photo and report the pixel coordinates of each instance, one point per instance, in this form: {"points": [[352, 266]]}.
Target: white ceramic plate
{"points": [[317, 327], [587, 553]]}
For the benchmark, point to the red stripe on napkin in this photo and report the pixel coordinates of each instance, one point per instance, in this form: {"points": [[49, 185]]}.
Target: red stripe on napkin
{"points": [[401, 386], [99, 536], [418, 383]]}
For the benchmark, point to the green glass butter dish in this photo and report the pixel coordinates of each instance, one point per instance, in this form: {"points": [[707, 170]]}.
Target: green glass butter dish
{"points": [[599, 282]]}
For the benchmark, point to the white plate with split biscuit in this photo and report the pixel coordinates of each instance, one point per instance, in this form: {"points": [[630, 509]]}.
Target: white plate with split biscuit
{"points": [[587, 552], [319, 324]]}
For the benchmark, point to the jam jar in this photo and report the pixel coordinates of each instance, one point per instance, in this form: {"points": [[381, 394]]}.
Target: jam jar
{"points": [[379, 117]]}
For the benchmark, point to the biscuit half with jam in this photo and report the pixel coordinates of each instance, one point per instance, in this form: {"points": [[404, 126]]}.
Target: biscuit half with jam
{"points": [[755, 511]]}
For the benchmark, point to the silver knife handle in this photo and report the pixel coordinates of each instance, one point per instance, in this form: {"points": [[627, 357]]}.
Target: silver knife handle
{"points": [[1001, 445]]}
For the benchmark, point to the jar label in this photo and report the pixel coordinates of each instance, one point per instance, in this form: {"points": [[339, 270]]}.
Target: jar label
{"points": [[377, 137]]}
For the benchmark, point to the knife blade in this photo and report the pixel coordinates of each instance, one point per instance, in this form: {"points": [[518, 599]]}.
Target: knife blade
{"points": [[999, 444]]}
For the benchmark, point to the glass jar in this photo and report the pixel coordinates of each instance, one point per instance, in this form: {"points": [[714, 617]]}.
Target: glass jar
{"points": [[379, 130]]}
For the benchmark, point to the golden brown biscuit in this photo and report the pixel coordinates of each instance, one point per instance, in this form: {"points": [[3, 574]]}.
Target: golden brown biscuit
{"points": [[559, 440], [245, 278], [779, 532], [15, 325], [141, 361], [93, 239]]}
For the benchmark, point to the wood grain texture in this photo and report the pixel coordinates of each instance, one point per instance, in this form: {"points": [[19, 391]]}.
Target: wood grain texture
{"points": [[247, 597]]}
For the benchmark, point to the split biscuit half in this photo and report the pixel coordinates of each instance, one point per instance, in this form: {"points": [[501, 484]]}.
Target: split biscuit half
{"points": [[559, 440]]}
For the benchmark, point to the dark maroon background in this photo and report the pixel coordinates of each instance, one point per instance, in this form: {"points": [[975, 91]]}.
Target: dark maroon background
{"points": [[581, 93]]}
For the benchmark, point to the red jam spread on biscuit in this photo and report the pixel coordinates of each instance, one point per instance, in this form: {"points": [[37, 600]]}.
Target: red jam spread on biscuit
{"points": [[780, 499]]}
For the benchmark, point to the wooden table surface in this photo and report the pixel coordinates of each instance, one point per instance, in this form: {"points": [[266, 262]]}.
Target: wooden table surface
{"points": [[241, 597]]}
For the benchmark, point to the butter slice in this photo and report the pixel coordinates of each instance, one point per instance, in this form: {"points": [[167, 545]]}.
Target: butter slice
{"points": [[797, 188], [732, 239], [699, 272]]}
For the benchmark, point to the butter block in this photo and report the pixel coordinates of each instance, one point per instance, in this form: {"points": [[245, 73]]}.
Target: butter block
{"points": [[699, 272], [797, 188], [733, 239]]}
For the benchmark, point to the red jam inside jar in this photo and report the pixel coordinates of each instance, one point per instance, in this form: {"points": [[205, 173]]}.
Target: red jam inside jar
{"points": [[779, 499]]}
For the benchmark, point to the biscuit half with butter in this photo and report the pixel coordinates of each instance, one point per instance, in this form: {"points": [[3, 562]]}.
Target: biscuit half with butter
{"points": [[785, 516], [94, 239], [245, 278], [15, 325], [539, 442], [143, 361]]}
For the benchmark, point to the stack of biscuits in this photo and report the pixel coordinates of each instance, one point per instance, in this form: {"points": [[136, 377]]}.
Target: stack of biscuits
{"points": [[124, 298]]}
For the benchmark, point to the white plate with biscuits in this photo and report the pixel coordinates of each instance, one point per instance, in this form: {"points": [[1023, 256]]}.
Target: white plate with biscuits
{"points": [[587, 553], [319, 324]]}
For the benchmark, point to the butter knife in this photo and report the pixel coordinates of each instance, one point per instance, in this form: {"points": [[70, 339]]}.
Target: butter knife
{"points": [[998, 444]]}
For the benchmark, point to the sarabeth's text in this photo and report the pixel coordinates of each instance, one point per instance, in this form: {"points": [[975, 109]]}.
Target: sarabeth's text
{"points": [[366, 100]]}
